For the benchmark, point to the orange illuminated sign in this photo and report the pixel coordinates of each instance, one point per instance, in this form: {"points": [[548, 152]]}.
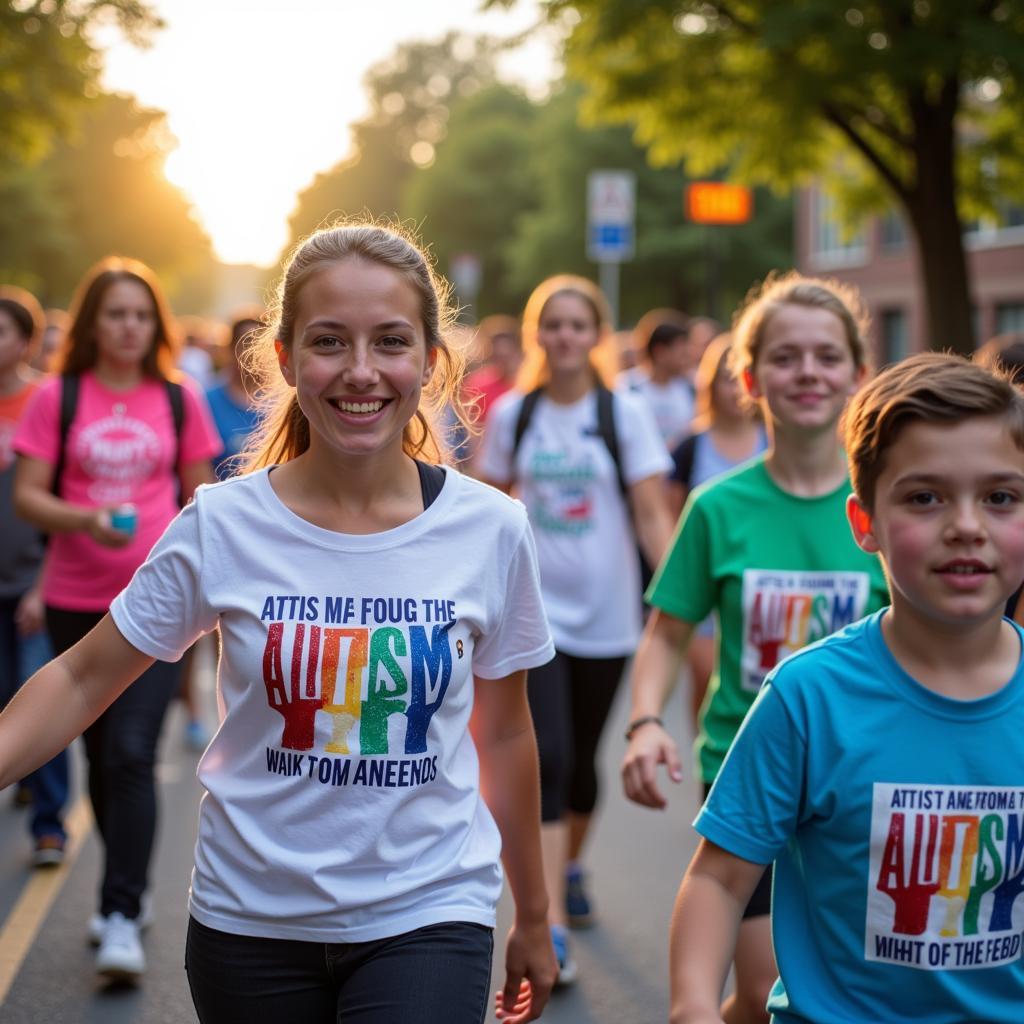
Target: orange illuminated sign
{"points": [[713, 202]]}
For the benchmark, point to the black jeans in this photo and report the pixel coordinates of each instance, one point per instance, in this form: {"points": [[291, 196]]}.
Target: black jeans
{"points": [[121, 748], [570, 699], [440, 974]]}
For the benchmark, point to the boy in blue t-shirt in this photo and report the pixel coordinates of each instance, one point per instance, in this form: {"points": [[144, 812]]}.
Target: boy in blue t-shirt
{"points": [[882, 769]]}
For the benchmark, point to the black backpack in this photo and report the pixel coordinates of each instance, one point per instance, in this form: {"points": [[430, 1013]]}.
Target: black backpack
{"points": [[605, 428], [70, 383]]}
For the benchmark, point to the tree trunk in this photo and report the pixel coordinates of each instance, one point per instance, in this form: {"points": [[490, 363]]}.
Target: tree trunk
{"points": [[931, 204], [943, 268]]}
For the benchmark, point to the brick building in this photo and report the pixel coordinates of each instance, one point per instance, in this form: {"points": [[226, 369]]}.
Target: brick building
{"points": [[881, 261]]}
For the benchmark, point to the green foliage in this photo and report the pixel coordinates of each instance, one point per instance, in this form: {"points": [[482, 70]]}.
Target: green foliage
{"points": [[772, 90], [671, 266], [480, 189], [49, 67], [100, 191], [410, 95], [81, 172], [507, 182]]}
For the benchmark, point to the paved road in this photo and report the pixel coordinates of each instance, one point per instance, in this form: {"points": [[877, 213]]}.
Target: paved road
{"points": [[636, 859]]}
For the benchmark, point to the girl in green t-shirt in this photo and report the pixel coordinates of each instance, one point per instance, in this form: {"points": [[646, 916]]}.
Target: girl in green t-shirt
{"points": [[766, 549]]}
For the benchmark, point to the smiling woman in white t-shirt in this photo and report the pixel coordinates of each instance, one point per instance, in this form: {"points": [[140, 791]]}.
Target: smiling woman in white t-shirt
{"points": [[581, 500], [377, 615]]}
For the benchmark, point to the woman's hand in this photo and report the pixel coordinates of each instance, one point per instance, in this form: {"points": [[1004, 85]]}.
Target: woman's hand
{"points": [[650, 746], [30, 616], [98, 527], [530, 972]]}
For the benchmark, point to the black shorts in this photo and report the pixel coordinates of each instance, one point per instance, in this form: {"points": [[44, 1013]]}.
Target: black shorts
{"points": [[760, 902]]}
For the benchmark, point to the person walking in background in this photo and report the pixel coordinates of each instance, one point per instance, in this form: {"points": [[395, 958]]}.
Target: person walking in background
{"points": [[726, 433], [106, 450], [766, 548], [377, 613], [233, 400], [589, 466], [24, 646], [500, 342], [662, 335]]}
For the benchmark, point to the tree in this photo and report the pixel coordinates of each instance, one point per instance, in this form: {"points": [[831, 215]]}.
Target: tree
{"points": [[478, 191], [927, 93], [49, 65], [101, 190], [410, 95], [673, 257]]}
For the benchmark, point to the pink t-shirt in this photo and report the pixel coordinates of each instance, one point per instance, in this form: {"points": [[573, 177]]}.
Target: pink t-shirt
{"points": [[119, 449]]}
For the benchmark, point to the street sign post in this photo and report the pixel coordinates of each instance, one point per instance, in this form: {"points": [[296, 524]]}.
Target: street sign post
{"points": [[611, 228]]}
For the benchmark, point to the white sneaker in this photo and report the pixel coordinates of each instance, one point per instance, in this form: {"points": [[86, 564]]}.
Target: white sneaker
{"points": [[120, 956], [98, 922]]}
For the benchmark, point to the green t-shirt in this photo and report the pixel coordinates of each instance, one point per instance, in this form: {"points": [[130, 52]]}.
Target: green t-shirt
{"points": [[779, 571]]}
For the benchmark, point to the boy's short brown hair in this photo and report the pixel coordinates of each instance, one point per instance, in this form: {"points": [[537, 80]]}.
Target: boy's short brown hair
{"points": [[931, 387]]}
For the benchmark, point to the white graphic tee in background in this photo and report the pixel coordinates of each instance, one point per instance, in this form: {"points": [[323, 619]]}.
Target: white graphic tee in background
{"points": [[590, 573]]}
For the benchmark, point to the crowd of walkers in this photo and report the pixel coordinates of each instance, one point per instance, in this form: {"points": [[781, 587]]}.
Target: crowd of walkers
{"points": [[427, 586]]}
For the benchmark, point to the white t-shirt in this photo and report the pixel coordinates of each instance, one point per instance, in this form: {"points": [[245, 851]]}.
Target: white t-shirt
{"points": [[590, 574], [671, 404], [342, 787]]}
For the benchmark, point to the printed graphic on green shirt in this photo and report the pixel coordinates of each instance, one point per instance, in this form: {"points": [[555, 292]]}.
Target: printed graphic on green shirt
{"points": [[784, 611], [946, 871]]}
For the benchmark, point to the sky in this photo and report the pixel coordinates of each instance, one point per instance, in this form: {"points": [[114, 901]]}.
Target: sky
{"points": [[260, 94]]}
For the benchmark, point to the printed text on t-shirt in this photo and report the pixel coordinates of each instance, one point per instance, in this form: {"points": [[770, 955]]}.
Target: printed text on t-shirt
{"points": [[785, 610], [378, 669], [946, 870]]}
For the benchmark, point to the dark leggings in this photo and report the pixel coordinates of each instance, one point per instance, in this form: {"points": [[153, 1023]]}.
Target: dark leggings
{"points": [[121, 748], [570, 699], [440, 974]]}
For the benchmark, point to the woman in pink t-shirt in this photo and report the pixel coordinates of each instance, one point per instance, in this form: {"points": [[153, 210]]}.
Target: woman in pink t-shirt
{"points": [[130, 437]]}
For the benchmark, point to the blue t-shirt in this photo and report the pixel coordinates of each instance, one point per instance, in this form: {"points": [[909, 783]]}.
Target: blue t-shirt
{"points": [[234, 424], [895, 817]]}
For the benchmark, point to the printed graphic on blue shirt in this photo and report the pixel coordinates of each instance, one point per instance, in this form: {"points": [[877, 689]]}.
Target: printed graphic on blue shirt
{"points": [[945, 874], [785, 610], [378, 669]]}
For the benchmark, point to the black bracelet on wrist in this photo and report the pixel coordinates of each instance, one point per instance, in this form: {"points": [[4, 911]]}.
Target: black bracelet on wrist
{"points": [[638, 722]]}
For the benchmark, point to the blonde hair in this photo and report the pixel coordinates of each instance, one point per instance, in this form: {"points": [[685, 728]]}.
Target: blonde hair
{"points": [[284, 431], [793, 289], [534, 372], [930, 387]]}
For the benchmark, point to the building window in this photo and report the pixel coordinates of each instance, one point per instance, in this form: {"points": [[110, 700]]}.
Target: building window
{"points": [[1008, 229], [832, 244], [895, 339], [893, 232], [1010, 318]]}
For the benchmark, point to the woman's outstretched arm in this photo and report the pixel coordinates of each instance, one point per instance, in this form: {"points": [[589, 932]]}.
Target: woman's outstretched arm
{"points": [[64, 697]]}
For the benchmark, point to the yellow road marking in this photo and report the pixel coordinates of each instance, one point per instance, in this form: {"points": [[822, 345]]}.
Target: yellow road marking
{"points": [[27, 916]]}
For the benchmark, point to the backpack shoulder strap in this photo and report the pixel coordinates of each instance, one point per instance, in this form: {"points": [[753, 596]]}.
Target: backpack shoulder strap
{"points": [[526, 410], [606, 428], [432, 478], [69, 386], [176, 400], [684, 457]]}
